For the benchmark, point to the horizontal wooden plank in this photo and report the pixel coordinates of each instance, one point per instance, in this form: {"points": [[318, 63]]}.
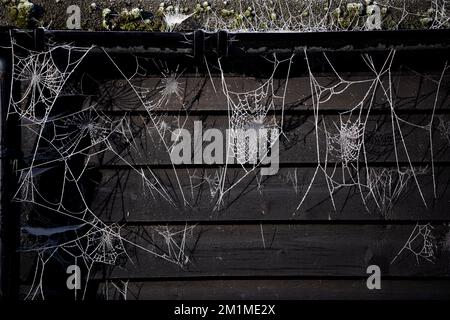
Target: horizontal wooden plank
{"points": [[410, 91], [286, 289], [144, 146], [122, 195], [278, 250]]}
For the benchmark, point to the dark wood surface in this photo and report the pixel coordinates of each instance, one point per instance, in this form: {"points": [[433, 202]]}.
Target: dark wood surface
{"points": [[258, 245], [290, 289], [120, 195], [412, 91], [287, 250]]}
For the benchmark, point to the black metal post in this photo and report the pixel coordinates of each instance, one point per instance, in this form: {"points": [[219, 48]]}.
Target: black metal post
{"points": [[199, 45], [9, 215]]}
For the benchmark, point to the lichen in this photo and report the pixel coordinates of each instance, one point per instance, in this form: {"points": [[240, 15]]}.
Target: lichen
{"points": [[254, 15], [350, 16], [20, 13], [134, 19], [202, 10]]}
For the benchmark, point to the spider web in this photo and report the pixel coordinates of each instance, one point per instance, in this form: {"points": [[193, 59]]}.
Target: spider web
{"points": [[119, 288], [175, 243], [153, 101], [63, 228], [174, 17], [252, 131], [100, 243], [321, 16], [66, 228], [42, 78], [387, 185], [421, 243], [440, 10], [343, 157]]}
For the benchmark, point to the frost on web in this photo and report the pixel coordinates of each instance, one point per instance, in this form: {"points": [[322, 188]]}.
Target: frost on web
{"points": [[347, 143], [85, 244], [42, 78], [174, 16], [81, 134], [421, 243], [160, 126], [321, 16], [105, 245], [88, 129], [249, 110], [63, 144], [387, 185], [343, 147], [115, 290], [444, 128], [440, 14], [273, 16], [175, 240], [253, 128], [292, 179], [154, 100], [211, 180]]}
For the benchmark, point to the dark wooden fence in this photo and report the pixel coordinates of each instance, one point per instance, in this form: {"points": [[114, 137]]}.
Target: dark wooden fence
{"points": [[258, 246]]}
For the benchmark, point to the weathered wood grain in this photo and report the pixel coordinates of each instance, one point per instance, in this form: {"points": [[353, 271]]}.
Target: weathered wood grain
{"points": [[281, 250], [259, 244], [297, 145], [121, 195], [284, 289], [202, 93]]}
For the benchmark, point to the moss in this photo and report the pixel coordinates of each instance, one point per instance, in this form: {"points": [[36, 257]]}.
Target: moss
{"points": [[242, 15], [202, 10], [426, 22], [388, 22], [349, 16], [20, 13], [135, 19]]}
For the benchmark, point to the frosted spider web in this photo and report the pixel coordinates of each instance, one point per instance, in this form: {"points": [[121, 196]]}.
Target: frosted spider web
{"points": [[154, 100], [175, 17], [175, 243], [99, 244], [170, 87], [343, 157], [421, 243], [119, 288], [444, 128], [387, 185], [66, 142], [89, 132], [42, 78], [440, 10], [252, 131], [211, 180], [321, 16]]}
